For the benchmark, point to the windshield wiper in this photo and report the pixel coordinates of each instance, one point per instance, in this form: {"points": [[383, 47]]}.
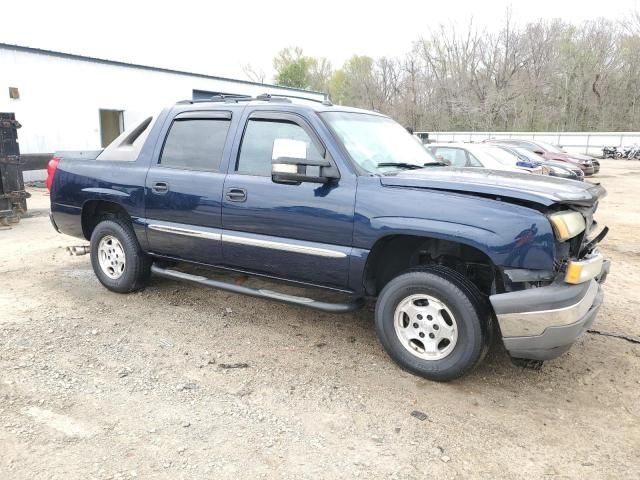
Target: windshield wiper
{"points": [[408, 166], [412, 166], [436, 164]]}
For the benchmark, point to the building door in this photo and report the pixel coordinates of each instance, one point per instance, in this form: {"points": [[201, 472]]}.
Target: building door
{"points": [[111, 125]]}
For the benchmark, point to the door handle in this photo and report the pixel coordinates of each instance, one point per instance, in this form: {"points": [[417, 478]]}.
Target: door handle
{"points": [[236, 194], [160, 188]]}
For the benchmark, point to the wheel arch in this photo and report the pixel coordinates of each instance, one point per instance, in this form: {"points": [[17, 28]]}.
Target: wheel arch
{"points": [[396, 252], [94, 210]]}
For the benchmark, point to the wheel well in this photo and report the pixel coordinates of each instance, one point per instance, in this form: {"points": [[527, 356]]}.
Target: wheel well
{"points": [[394, 254], [94, 210]]}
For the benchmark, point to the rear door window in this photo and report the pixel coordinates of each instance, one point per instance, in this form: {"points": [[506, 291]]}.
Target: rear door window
{"points": [[195, 143]]}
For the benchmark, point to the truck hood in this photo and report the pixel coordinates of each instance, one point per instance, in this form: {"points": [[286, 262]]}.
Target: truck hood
{"points": [[540, 189]]}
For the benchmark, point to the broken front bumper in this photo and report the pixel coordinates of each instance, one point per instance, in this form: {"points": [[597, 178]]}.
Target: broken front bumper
{"points": [[542, 323]]}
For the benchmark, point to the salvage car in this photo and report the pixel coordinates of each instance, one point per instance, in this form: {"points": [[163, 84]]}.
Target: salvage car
{"points": [[556, 169], [478, 155], [346, 201], [588, 165]]}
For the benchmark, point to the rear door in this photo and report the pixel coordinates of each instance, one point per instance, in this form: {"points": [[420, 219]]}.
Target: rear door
{"points": [[183, 191], [296, 231]]}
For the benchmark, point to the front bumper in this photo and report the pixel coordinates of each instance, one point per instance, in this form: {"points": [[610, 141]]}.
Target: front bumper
{"points": [[542, 323]]}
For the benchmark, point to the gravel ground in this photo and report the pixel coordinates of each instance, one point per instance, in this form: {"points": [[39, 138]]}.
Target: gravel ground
{"points": [[184, 382]]}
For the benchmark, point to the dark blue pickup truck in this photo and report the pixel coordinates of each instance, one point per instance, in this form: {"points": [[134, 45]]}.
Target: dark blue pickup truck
{"points": [[343, 200]]}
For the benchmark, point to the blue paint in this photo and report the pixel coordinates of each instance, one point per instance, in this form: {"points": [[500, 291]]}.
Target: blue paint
{"points": [[499, 214]]}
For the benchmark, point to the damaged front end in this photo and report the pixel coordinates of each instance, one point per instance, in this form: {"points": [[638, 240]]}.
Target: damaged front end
{"points": [[544, 312]]}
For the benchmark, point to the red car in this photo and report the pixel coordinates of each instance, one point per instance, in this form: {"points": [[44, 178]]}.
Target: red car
{"points": [[588, 165]]}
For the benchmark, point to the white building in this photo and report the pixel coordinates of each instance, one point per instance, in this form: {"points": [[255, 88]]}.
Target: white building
{"points": [[73, 102]]}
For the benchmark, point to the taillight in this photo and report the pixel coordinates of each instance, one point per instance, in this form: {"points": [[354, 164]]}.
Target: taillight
{"points": [[51, 171]]}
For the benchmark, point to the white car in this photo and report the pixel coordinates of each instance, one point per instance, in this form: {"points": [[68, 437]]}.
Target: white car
{"points": [[480, 155]]}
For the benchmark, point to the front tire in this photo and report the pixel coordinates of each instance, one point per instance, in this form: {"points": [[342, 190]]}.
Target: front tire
{"points": [[116, 257], [434, 323]]}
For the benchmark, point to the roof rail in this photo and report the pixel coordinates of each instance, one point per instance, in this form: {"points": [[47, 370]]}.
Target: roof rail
{"points": [[221, 97], [264, 97], [279, 97]]}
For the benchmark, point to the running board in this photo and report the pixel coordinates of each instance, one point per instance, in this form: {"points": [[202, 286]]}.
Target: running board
{"points": [[260, 293]]}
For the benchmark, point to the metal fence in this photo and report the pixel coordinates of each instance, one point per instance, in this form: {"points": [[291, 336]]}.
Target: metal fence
{"points": [[576, 142]]}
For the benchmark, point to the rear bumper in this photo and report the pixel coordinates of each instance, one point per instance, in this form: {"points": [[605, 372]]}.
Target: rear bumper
{"points": [[542, 323]]}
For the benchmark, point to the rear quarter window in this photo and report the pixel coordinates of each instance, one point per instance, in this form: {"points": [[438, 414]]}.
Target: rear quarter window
{"points": [[195, 144], [127, 146]]}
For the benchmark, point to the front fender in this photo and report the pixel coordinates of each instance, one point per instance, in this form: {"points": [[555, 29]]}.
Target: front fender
{"points": [[516, 248], [477, 237], [509, 235]]}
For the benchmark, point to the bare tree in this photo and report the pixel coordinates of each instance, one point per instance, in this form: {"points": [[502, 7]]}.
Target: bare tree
{"points": [[545, 75], [254, 74]]}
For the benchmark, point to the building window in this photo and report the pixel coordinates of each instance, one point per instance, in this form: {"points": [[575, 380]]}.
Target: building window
{"points": [[111, 126]]}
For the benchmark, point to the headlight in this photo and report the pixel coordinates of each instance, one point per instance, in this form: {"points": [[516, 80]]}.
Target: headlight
{"points": [[562, 172], [567, 224], [584, 270]]}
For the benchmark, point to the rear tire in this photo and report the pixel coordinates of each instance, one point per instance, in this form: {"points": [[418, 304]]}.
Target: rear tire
{"points": [[434, 323], [116, 256]]}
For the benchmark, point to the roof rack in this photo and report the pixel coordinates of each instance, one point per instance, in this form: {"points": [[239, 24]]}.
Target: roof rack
{"points": [[265, 97], [218, 98]]}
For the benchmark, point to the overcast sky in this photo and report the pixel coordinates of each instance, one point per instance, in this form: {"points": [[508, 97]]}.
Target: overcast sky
{"points": [[218, 37]]}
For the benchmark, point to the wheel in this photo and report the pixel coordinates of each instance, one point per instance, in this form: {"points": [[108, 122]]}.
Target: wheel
{"points": [[116, 257], [434, 323]]}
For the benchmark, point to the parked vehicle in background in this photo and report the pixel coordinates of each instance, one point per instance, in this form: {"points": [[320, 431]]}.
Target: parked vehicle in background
{"points": [[479, 155], [633, 152], [344, 200], [550, 152], [556, 169], [581, 156], [611, 152]]}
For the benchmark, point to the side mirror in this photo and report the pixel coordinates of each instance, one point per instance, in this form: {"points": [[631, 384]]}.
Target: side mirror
{"points": [[294, 170], [289, 164]]}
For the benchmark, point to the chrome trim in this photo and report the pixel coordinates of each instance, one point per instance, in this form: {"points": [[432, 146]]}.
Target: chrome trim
{"points": [[185, 231], [524, 324], [287, 247]]}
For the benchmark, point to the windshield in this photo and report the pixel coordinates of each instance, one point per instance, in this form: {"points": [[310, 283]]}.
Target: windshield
{"points": [[378, 144], [549, 148], [502, 156], [530, 155]]}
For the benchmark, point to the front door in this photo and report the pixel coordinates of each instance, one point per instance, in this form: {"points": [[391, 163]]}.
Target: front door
{"points": [[295, 231], [184, 188]]}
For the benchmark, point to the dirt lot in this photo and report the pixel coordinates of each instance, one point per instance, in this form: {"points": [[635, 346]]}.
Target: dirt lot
{"points": [[99, 385]]}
